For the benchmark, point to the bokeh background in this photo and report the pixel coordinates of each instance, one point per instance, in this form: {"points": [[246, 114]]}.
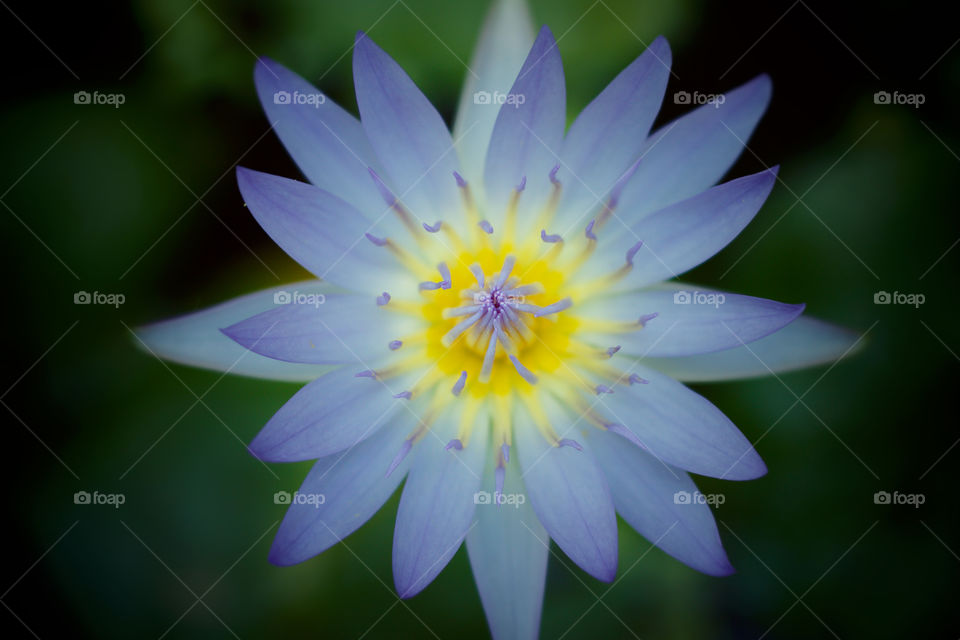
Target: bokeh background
{"points": [[141, 200]]}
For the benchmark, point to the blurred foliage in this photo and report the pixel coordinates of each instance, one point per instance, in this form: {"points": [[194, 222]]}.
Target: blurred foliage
{"points": [[113, 207]]}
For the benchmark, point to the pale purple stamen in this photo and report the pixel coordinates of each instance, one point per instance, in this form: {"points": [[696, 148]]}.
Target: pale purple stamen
{"points": [[460, 181], [459, 384], [522, 370], [385, 192], [403, 395], [369, 373], [635, 379], [549, 238], [445, 274], [505, 450], [404, 450], [454, 444], [602, 388], [486, 226], [522, 185], [570, 443], [589, 231], [553, 175], [504, 272], [556, 307], [632, 251], [621, 182], [477, 272], [383, 299], [612, 350], [647, 318], [375, 240], [433, 229], [395, 344], [430, 286]]}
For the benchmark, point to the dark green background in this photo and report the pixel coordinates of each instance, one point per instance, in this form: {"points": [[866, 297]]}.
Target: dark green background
{"points": [[878, 187]]}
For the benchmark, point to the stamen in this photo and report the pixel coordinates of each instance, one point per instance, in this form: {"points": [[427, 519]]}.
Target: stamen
{"points": [[403, 395], [523, 371], [459, 384], [433, 229], [395, 344], [430, 286], [486, 226], [369, 373], [460, 181], [505, 450], [383, 299], [589, 230], [602, 388], [622, 431], [392, 201], [477, 272], [556, 307], [565, 442], [635, 379], [504, 272], [632, 251], [445, 274], [380, 242], [404, 450], [619, 185], [647, 318], [612, 350], [553, 175], [454, 444], [549, 238]]}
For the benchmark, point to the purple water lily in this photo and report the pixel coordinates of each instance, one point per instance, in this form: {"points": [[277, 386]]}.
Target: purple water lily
{"points": [[492, 319]]}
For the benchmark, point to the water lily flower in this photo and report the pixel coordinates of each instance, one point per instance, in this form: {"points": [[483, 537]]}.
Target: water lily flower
{"points": [[495, 318]]}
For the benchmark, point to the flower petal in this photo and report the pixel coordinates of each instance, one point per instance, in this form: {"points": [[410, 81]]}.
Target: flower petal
{"points": [[649, 495], [338, 328], [321, 232], [570, 496], [332, 413], [688, 321], [692, 153], [508, 551], [327, 143], [608, 135], [682, 235], [680, 427], [353, 486], [409, 136], [805, 342], [504, 43], [436, 507], [528, 133], [195, 339]]}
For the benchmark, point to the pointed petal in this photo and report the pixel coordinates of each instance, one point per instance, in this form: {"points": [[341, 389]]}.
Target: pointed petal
{"points": [[652, 497], [805, 342], [608, 135], [680, 427], [320, 231], [327, 143], [688, 321], [327, 416], [528, 133], [503, 45], [409, 136], [570, 496], [694, 152], [508, 551], [195, 339], [436, 507], [683, 235], [337, 328], [341, 492]]}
